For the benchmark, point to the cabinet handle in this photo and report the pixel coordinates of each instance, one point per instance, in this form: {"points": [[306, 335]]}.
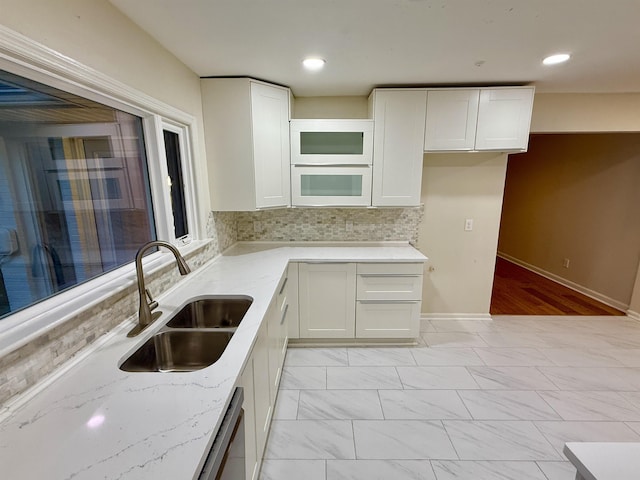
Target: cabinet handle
{"points": [[284, 314], [389, 301], [284, 284]]}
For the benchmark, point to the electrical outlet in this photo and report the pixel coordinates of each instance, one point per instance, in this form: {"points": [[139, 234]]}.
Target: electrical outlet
{"points": [[349, 226], [468, 224], [565, 263], [257, 227]]}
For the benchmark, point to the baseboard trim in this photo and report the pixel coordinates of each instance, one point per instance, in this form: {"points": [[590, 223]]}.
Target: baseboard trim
{"points": [[633, 315], [566, 283], [455, 316]]}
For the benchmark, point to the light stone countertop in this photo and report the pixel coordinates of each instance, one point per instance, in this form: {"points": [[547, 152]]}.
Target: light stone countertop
{"points": [[97, 421]]}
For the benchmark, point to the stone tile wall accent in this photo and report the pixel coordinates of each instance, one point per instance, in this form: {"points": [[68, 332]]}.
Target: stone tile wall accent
{"points": [[27, 365], [330, 224], [222, 228]]}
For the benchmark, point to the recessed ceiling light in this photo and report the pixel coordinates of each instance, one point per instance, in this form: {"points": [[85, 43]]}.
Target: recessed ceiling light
{"points": [[313, 63], [558, 58]]}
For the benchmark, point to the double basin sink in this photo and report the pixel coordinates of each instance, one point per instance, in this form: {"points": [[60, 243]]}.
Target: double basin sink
{"points": [[192, 339]]}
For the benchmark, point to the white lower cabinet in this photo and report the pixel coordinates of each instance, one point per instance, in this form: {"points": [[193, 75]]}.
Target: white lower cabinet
{"points": [[250, 448], [261, 391], [364, 300], [261, 378], [327, 294]]}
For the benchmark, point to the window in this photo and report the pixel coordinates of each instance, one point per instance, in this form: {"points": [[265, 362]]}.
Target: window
{"points": [[175, 182], [76, 190]]}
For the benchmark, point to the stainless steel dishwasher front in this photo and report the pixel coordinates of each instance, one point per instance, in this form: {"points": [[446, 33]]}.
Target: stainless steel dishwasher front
{"points": [[226, 459]]}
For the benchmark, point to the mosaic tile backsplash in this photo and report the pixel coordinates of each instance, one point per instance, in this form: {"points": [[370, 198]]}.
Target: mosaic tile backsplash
{"points": [[331, 224]]}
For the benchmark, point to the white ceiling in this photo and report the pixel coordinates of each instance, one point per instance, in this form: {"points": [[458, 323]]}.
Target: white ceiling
{"points": [[370, 43]]}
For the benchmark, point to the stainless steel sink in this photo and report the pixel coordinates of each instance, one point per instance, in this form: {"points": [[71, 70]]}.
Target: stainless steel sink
{"points": [[178, 351], [221, 313]]}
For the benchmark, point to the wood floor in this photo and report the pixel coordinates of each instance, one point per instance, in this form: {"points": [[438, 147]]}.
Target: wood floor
{"points": [[518, 291]]}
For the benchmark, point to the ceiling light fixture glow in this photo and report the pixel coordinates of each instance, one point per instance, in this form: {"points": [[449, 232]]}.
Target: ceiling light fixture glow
{"points": [[313, 63], [555, 59]]}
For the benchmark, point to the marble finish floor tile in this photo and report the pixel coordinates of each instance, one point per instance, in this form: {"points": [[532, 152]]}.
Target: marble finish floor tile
{"points": [[379, 470], [362, 357], [282, 469], [515, 340], [310, 439], [426, 326], [629, 357], [507, 405], [621, 341], [422, 405], [558, 470], [451, 357], [632, 397], [442, 378], [558, 433], [503, 440], [593, 378], [576, 357], [287, 405], [575, 340], [322, 357], [454, 340], [339, 405], [511, 378], [362, 378], [532, 383], [635, 426], [401, 440], [301, 378], [483, 470], [513, 357], [464, 326], [591, 406]]}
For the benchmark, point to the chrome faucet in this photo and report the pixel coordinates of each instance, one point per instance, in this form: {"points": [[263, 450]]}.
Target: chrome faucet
{"points": [[145, 317]]}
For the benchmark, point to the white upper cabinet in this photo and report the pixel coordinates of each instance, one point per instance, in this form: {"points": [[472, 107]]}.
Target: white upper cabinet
{"points": [[399, 116], [504, 118], [246, 126], [451, 119], [478, 119]]}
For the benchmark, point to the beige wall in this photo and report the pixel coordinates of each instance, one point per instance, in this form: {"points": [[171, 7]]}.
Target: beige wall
{"points": [[456, 187], [330, 107], [96, 34], [576, 196], [586, 112]]}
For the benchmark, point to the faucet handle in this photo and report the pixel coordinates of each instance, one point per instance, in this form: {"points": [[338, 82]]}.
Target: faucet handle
{"points": [[152, 303]]}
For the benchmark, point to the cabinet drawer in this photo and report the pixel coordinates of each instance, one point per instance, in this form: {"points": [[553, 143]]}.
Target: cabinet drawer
{"points": [[376, 319], [389, 287], [390, 268]]}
